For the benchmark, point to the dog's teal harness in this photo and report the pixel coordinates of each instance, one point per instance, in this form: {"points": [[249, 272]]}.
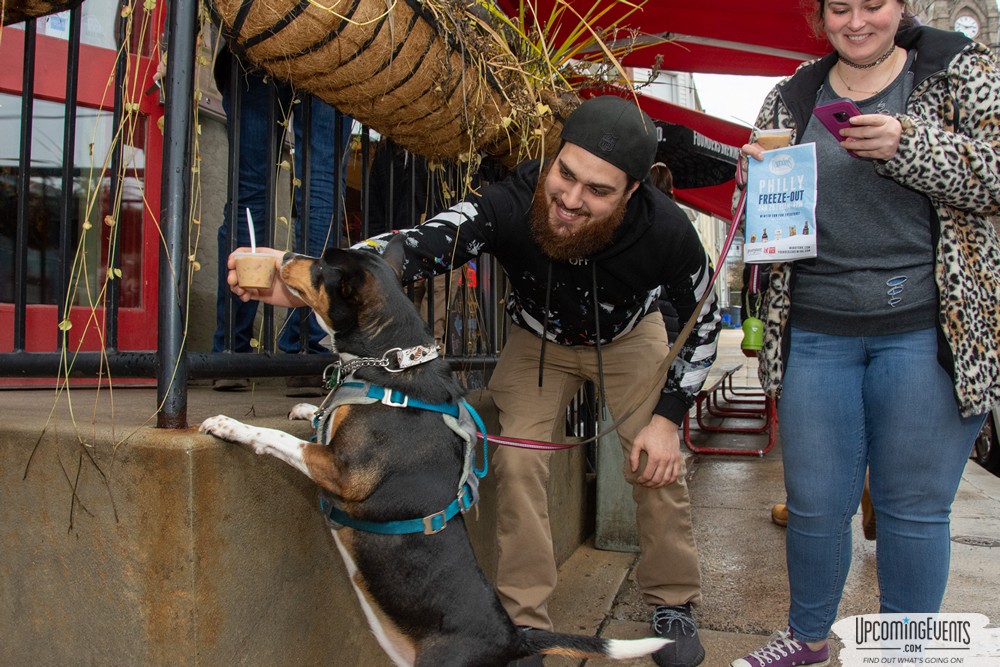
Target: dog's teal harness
{"points": [[460, 417]]}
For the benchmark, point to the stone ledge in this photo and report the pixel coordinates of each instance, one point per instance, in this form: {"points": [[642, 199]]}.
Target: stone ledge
{"points": [[182, 550]]}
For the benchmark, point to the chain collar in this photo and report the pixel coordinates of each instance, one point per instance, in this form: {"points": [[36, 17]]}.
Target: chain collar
{"points": [[394, 360]]}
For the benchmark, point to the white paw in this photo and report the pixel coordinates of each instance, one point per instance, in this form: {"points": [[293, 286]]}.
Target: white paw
{"points": [[220, 426], [304, 411], [230, 430]]}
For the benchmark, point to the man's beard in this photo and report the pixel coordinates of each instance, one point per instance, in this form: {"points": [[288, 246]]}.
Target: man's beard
{"points": [[588, 238]]}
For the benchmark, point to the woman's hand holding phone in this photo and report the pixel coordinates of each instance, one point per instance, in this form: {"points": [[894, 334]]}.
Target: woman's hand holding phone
{"points": [[873, 136]]}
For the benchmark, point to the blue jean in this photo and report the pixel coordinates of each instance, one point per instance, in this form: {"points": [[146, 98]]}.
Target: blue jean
{"points": [[882, 403], [255, 131]]}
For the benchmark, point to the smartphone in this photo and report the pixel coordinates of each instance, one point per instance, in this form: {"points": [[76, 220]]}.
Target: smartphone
{"points": [[835, 117]]}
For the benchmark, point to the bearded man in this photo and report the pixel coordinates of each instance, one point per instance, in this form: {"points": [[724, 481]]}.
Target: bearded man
{"points": [[588, 245]]}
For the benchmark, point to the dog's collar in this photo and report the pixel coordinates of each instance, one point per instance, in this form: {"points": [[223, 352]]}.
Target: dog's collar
{"points": [[394, 360]]}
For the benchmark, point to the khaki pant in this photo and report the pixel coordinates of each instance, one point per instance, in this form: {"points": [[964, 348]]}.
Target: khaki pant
{"points": [[667, 572]]}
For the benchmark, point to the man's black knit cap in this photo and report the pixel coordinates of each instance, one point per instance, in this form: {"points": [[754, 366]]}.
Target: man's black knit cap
{"points": [[615, 130]]}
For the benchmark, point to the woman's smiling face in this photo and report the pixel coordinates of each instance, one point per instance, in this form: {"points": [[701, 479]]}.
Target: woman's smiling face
{"points": [[862, 30]]}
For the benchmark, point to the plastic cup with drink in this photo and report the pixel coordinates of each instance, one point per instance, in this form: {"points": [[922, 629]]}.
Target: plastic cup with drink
{"points": [[771, 139], [254, 269]]}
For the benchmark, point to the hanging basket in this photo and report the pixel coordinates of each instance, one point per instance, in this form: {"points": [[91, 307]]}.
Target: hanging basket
{"points": [[15, 11], [391, 64]]}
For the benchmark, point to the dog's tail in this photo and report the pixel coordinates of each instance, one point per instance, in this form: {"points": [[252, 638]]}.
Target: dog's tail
{"points": [[582, 647]]}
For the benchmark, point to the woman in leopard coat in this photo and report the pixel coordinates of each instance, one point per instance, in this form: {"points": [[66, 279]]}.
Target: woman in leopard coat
{"points": [[882, 352]]}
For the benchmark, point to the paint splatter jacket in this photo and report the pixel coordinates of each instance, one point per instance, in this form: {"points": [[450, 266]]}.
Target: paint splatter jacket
{"points": [[655, 248], [950, 152]]}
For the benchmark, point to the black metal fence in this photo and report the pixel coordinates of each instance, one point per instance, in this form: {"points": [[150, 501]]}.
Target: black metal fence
{"points": [[475, 322]]}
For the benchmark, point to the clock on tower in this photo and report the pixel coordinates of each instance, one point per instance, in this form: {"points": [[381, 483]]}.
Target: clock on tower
{"points": [[967, 25]]}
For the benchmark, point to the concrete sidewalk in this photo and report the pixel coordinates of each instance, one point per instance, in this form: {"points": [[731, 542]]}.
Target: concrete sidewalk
{"points": [[743, 554]]}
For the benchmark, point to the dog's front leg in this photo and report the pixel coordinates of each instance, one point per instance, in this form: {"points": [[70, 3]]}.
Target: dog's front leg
{"points": [[278, 444]]}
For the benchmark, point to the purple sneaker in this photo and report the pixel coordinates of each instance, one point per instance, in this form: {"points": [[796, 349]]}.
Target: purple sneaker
{"points": [[783, 650]]}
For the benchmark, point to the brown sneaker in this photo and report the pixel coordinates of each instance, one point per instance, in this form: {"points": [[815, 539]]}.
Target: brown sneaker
{"points": [[779, 514], [867, 514]]}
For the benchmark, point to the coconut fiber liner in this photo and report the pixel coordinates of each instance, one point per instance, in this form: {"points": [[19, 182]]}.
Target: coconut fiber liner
{"points": [[387, 63], [15, 11]]}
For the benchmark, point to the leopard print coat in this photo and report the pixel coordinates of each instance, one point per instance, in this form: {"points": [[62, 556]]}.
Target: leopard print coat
{"points": [[950, 151]]}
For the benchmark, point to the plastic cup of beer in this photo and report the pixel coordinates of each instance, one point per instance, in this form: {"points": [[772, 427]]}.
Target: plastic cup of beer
{"points": [[254, 269], [771, 139]]}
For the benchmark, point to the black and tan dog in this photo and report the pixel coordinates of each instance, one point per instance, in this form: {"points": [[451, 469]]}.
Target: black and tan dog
{"points": [[423, 594]]}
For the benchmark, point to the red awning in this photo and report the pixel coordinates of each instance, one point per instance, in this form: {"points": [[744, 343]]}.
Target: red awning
{"points": [[765, 37]]}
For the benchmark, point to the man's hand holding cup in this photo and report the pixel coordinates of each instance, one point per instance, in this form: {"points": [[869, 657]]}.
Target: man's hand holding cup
{"points": [[256, 275]]}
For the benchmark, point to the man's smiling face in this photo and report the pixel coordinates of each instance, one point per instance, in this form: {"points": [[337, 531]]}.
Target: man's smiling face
{"points": [[579, 203]]}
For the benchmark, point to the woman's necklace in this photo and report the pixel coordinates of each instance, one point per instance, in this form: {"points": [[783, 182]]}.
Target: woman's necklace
{"points": [[892, 70], [881, 59]]}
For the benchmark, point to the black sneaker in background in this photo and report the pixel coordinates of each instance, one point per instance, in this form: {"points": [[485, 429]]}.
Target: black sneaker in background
{"points": [[301, 386], [676, 624], [231, 384]]}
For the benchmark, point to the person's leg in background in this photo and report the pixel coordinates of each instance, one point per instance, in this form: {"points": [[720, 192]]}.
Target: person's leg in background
{"points": [[255, 130], [526, 568], [867, 511], [779, 513], [919, 447], [667, 573], [325, 214], [444, 285]]}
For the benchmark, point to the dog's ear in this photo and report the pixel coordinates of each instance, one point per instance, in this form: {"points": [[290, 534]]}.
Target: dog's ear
{"points": [[395, 254], [332, 256], [339, 266]]}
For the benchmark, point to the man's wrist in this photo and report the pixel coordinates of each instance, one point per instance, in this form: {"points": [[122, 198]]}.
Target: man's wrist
{"points": [[672, 408]]}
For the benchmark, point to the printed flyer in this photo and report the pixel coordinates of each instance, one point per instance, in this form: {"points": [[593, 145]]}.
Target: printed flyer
{"points": [[781, 206]]}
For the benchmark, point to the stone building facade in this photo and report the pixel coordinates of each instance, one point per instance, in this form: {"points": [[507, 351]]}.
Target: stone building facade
{"points": [[979, 19]]}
